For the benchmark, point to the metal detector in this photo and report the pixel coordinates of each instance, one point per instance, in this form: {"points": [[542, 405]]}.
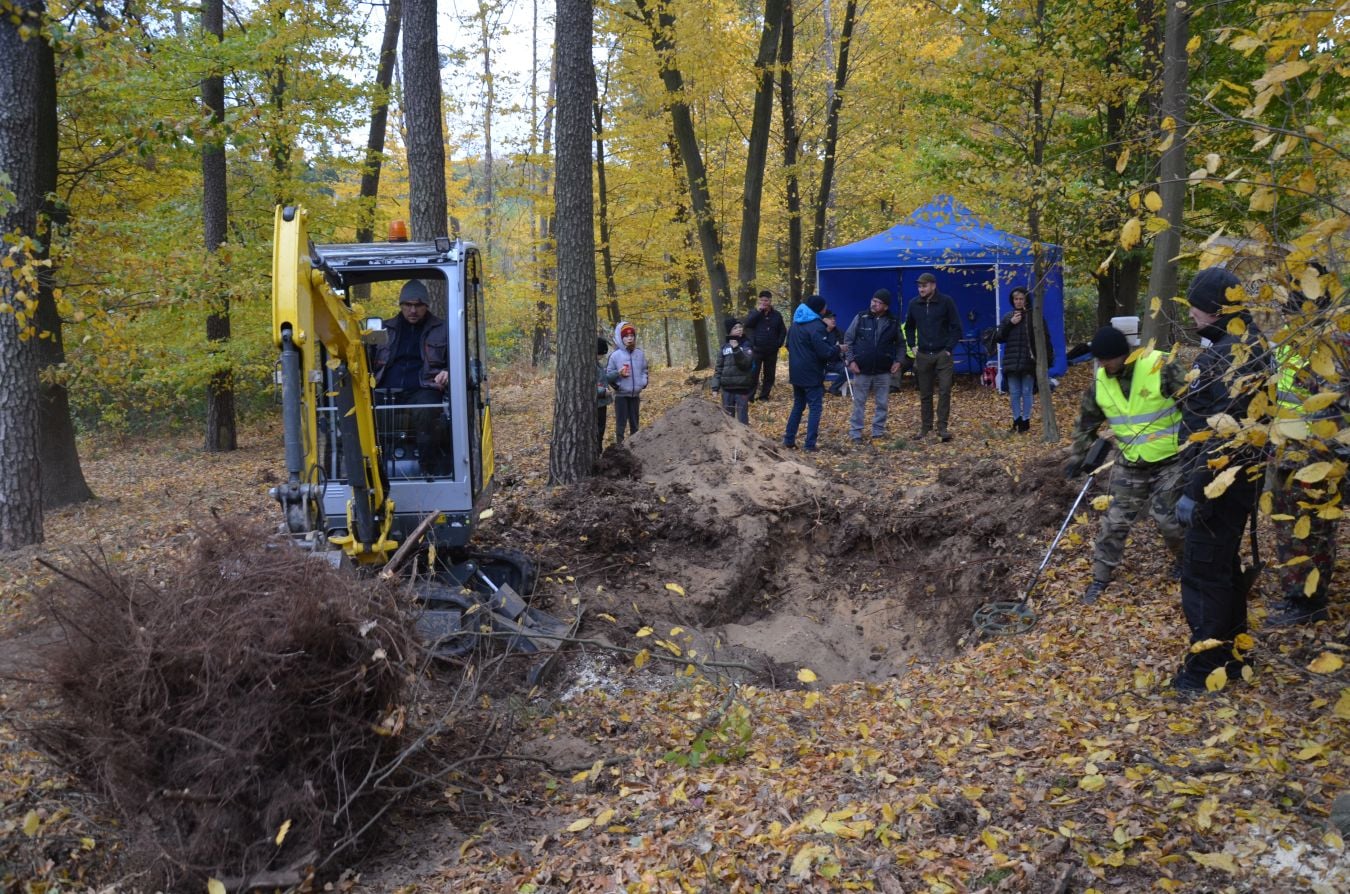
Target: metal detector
{"points": [[1018, 616]]}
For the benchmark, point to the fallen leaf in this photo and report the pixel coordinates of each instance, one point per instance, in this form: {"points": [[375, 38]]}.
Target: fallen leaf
{"points": [[1326, 663]]}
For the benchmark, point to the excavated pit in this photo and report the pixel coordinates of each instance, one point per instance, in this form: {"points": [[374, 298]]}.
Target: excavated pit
{"points": [[763, 557]]}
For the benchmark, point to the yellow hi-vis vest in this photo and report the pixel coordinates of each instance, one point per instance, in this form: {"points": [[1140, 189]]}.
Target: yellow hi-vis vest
{"points": [[1148, 422], [1290, 394]]}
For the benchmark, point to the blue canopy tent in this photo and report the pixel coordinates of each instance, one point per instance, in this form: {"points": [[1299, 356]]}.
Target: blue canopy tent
{"points": [[974, 263]]}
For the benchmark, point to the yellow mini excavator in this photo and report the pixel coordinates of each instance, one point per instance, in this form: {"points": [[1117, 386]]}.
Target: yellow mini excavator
{"points": [[360, 476]]}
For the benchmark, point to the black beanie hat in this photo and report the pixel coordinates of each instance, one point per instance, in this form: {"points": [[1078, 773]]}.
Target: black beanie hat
{"points": [[1209, 289], [1109, 342], [816, 303], [732, 323], [882, 295]]}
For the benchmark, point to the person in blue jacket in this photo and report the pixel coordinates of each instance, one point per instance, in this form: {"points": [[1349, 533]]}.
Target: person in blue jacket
{"points": [[808, 352]]}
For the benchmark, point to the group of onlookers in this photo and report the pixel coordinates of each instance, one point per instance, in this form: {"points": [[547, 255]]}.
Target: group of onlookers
{"points": [[1201, 491]]}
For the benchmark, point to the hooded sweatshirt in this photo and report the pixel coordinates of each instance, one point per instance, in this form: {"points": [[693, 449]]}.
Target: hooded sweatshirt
{"points": [[632, 384]]}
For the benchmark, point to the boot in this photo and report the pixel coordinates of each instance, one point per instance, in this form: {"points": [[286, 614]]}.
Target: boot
{"points": [[1292, 612], [1094, 591], [1024, 425]]}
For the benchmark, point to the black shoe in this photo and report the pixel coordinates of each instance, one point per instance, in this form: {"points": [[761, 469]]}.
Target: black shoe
{"points": [[790, 446], [945, 436], [1293, 612], [1188, 684], [1095, 591]]}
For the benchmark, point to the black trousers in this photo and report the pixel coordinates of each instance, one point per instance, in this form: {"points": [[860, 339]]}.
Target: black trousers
{"points": [[1212, 596], [625, 415], [601, 411], [762, 374], [433, 431]]}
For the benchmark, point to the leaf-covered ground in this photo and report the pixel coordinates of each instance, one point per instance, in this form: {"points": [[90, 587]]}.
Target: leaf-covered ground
{"points": [[1050, 761]]}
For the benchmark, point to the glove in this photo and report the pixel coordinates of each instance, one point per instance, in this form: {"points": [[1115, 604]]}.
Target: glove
{"points": [[1185, 510]]}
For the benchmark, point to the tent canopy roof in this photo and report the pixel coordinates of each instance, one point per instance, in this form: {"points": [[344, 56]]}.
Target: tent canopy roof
{"points": [[942, 232]]}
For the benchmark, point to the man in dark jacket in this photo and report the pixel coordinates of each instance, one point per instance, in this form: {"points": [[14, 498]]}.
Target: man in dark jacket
{"points": [[933, 329], [1226, 376], [411, 367], [872, 352], [808, 352], [765, 332]]}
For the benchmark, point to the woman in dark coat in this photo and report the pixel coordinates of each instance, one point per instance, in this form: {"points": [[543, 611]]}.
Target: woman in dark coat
{"points": [[1019, 358]]}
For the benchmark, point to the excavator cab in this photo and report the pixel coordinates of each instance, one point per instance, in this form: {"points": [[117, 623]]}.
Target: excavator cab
{"points": [[372, 465], [368, 464]]}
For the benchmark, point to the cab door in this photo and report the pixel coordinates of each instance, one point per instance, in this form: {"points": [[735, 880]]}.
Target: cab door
{"points": [[481, 463]]}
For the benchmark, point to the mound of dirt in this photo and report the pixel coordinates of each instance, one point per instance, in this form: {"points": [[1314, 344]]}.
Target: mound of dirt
{"points": [[700, 523]]}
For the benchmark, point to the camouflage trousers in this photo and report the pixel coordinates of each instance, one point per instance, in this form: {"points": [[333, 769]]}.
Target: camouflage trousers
{"points": [[1132, 488], [1292, 499]]}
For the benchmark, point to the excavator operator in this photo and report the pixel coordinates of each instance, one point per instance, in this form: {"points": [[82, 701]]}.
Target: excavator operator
{"points": [[410, 370]]}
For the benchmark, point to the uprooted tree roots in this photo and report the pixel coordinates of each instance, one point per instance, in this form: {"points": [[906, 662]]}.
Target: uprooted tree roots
{"points": [[242, 714]]}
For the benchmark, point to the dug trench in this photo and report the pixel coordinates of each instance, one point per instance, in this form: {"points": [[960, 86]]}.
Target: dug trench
{"points": [[701, 538]]}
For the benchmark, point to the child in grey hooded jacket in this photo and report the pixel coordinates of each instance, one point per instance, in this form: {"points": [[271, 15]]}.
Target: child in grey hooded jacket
{"points": [[631, 365]]}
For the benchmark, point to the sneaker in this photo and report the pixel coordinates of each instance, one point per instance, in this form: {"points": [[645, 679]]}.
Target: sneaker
{"points": [[790, 445], [810, 450], [1292, 612], [1094, 591]]}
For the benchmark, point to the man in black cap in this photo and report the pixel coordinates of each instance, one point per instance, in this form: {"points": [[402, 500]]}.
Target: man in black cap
{"points": [[933, 330], [808, 352], [1226, 376], [411, 368], [1138, 400]]}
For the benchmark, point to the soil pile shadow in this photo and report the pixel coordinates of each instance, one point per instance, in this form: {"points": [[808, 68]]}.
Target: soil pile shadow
{"points": [[701, 523]]}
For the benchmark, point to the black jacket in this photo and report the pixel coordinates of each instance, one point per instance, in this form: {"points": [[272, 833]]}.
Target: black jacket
{"points": [[1221, 387], [434, 348], [733, 368], [873, 343], [1019, 345], [936, 323], [765, 332]]}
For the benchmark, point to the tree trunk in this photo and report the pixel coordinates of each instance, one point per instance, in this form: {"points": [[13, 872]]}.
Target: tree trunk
{"points": [[661, 25], [757, 152], [831, 140], [1162, 280], [1118, 289], [379, 123], [489, 99], [791, 145], [702, 350], [221, 434], [62, 478], [606, 255], [20, 473], [573, 450], [425, 138]]}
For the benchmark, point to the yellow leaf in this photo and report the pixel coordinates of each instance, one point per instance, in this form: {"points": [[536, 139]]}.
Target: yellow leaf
{"points": [[1221, 482], [1310, 752], [1216, 861], [604, 817], [1302, 527], [1205, 645], [579, 825], [675, 588], [1278, 74], [806, 675], [811, 699], [1313, 473], [215, 886], [1122, 160], [644, 631], [1212, 162], [1342, 709], [972, 792], [1193, 44], [1320, 401], [801, 863], [1263, 199], [1152, 201], [1217, 679], [607, 617], [1170, 885], [281, 833], [641, 658], [1129, 234], [1204, 813], [990, 840], [1326, 663], [31, 823], [1092, 783], [1244, 642]]}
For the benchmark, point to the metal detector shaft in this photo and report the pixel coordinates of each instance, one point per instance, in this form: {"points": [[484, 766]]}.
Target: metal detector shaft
{"points": [[1026, 597]]}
